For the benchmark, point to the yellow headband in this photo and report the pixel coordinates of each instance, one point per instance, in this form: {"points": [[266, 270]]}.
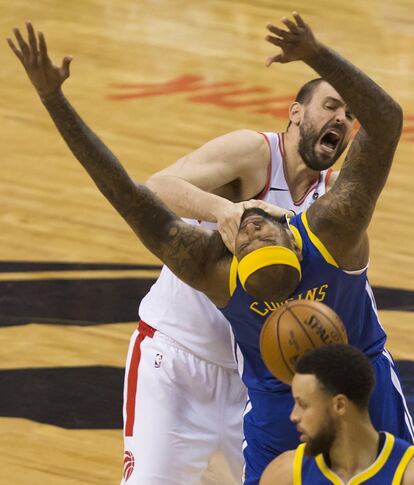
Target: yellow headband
{"points": [[266, 256]]}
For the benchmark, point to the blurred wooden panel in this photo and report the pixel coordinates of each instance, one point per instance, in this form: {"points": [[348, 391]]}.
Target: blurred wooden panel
{"points": [[51, 455], [61, 346]]}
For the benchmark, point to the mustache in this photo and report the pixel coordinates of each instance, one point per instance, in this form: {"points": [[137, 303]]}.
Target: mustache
{"points": [[332, 126], [257, 211]]}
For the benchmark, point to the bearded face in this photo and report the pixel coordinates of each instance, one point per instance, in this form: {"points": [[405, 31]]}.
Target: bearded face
{"points": [[323, 439], [320, 149], [325, 127], [313, 414]]}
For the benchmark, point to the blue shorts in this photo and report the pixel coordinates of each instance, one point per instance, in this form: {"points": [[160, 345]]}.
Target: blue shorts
{"points": [[268, 430]]}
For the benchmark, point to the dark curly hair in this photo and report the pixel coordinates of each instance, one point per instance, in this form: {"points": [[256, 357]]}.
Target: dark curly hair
{"points": [[340, 369]]}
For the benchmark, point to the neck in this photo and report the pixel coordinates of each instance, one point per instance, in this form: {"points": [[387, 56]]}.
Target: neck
{"points": [[298, 176], [355, 449]]}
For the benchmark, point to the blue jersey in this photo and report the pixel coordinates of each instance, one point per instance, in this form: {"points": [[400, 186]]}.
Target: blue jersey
{"points": [[267, 428], [388, 468], [348, 293]]}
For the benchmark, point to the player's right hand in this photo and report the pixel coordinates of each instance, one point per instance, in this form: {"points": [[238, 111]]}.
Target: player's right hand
{"points": [[44, 75], [228, 220], [297, 42]]}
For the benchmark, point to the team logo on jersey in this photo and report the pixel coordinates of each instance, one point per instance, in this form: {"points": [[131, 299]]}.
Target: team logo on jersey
{"points": [[129, 463], [158, 360]]}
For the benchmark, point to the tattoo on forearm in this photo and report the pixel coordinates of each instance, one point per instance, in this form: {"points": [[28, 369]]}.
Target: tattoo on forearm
{"points": [[375, 109], [96, 158], [351, 202], [185, 249]]}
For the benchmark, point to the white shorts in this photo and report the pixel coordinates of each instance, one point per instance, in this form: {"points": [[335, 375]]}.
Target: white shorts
{"points": [[182, 416]]}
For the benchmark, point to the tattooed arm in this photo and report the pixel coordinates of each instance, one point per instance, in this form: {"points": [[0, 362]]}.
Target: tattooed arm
{"points": [[340, 218], [197, 256]]}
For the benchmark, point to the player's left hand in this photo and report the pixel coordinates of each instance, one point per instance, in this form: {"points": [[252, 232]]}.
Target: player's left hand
{"points": [[44, 75], [297, 42]]}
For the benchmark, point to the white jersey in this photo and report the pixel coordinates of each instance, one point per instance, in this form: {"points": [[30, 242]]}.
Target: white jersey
{"points": [[187, 315]]}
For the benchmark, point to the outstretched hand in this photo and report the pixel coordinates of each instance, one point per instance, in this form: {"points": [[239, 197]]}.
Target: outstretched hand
{"points": [[297, 42], [44, 75]]}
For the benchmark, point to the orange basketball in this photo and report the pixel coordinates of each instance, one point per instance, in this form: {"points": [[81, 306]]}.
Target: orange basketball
{"points": [[295, 328]]}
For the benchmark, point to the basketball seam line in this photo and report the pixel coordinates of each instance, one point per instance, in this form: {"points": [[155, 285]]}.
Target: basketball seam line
{"points": [[303, 328], [292, 371]]}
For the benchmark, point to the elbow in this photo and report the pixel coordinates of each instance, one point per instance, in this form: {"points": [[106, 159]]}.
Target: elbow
{"points": [[395, 119], [400, 117]]}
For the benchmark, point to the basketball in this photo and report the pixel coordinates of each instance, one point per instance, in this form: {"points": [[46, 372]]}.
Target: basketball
{"points": [[295, 328]]}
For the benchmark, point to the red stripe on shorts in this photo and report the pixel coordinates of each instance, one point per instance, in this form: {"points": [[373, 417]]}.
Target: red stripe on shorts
{"points": [[144, 331]]}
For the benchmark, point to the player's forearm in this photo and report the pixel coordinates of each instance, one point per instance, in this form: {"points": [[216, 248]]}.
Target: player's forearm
{"points": [[101, 164], [370, 156], [183, 248], [187, 200], [146, 214], [349, 206], [376, 110]]}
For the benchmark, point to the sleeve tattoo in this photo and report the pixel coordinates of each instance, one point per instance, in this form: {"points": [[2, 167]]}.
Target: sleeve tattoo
{"points": [[186, 249], [349, 206]]}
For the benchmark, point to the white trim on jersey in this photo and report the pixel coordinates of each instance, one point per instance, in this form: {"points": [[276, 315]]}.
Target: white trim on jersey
{"points": [[356, 272], [397, 384], [368, 289], [240, 361], [248, 407]]}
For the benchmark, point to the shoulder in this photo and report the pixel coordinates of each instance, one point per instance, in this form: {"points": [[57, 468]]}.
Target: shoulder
{"points": [[244, 140], [408, 476], [236, 148], [280, 470], [255, 138]]}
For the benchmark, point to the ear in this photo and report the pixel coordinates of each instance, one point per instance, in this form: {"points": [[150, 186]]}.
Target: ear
{"points": [[296, 248], [296, 113], [340, 404]]}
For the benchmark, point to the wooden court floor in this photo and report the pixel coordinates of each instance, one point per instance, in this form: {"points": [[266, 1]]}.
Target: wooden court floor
{"points": [[155, 79]]}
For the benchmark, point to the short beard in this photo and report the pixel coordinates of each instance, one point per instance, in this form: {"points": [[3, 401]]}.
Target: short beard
{"points": [[308, 138], [323, 441]]}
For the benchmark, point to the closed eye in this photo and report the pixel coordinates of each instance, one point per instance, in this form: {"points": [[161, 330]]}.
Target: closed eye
{"points": [[268, 240], [243, 246]]}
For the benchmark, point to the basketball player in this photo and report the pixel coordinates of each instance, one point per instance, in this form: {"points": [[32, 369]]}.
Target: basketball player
{"points": [[330, 238], [184, 317], [234, 167], [183, 326], [331, 389]]}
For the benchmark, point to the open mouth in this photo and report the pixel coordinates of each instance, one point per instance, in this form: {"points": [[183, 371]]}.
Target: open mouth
{"points": [[330, 141]]}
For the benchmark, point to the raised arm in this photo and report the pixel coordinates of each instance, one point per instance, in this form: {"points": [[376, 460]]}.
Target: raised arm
{"points": [[209, 183], [230, 168], [197, 256], [340, 218]]}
